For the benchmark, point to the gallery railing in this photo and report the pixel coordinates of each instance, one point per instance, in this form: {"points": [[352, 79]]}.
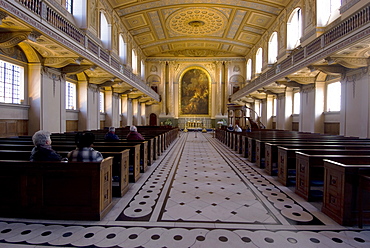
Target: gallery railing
{"points": [[51, 14]]}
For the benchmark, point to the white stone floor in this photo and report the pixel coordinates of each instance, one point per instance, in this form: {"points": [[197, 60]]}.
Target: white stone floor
{"points": [[198, 193]]}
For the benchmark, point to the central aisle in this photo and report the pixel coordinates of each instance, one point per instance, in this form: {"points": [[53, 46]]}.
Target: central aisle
{"points": [[198, 193]]}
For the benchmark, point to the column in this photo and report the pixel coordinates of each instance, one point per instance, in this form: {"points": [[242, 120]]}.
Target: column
{"points": [[144, 121], [111, 108], [170, 94], [124, 115], [218, 93], [129, 112], [269, 110], [136, 106], [88, 105], [162, 89], [34, 90], [226, 88]]}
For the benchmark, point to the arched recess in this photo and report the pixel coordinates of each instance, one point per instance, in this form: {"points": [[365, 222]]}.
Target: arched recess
{"points": [[153, 81], [236, 83], [195, 92], [153, 120]]}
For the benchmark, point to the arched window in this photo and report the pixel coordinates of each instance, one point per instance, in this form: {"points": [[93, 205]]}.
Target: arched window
{"points": [[333, 96], [294, 29], [71, 96], [11, 83], [249, 69], [101, 102], [122, 49], [297, 103], [104, 31], [259, 60], [69, 6], [327, 11], [273, 48], [134, 61], [79, 11]]}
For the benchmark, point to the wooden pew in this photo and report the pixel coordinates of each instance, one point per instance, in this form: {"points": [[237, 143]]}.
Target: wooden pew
{"points": [[146, 148], [341, 189], [120, 166], [310, 171], [260, 145], [56, 190], [277, 154], [134, 161]]}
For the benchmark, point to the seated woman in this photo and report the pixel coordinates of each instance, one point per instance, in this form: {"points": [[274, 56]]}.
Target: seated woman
{"points": [[134, 134], [84, 151], [42, 150], [111, 135]]}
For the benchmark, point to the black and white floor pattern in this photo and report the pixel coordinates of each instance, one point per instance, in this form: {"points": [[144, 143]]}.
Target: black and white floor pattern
{"points": [[199, 193]]}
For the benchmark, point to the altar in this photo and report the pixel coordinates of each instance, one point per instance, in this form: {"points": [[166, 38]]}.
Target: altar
{"points": [[195, 124]]}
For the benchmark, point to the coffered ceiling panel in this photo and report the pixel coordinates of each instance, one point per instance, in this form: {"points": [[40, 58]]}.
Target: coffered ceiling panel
{"points": [[135, 21], [249, 37], [261, 20], [219, 28]]}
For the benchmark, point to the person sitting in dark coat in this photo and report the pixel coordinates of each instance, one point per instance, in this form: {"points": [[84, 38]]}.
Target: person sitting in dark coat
{"points": [[84, 151], [42, 150], [111, 135], [230, 128], [134, 134]]}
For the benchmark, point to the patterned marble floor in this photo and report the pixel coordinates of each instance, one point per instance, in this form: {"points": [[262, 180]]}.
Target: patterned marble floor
{"points": [[199, 193]]}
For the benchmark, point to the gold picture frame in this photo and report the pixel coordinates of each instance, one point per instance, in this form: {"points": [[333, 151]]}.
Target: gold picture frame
{"points": [[195, 92]]}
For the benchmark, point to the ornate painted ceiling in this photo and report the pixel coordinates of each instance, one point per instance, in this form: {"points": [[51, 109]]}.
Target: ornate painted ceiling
{"points": [[197, 28]]}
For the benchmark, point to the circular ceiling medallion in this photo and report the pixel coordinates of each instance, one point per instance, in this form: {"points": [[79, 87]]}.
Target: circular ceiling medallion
{"points": [[197, 21]]}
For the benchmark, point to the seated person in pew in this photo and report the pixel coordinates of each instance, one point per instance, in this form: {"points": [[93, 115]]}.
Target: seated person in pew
{"points": [[111, 135], [84, 151], [230, 128], [238, 129], [134, 134], [42, 150]]}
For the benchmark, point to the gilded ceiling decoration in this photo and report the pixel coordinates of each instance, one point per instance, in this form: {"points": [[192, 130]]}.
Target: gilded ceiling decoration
{"points": [[167, 28], [197, 22]]}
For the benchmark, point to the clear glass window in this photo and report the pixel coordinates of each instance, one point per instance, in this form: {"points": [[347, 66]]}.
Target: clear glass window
{"points": [[122, 49], [333, 97], [259, 60], [134, 62], [101, 102], [294, 29], [327, 11], [249, 69], [71, 96], [297, 103], [11, 83], [273, 48], [69, 6]]}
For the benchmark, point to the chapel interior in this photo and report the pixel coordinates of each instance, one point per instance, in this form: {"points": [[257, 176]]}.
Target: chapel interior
{"points": [[300, 66]]}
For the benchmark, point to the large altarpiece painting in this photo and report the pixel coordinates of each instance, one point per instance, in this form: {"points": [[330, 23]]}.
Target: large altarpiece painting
{"points": [[194, 92]]}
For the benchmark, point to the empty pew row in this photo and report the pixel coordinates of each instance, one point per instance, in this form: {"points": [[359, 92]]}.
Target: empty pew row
{"points": [[56, 190]]}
